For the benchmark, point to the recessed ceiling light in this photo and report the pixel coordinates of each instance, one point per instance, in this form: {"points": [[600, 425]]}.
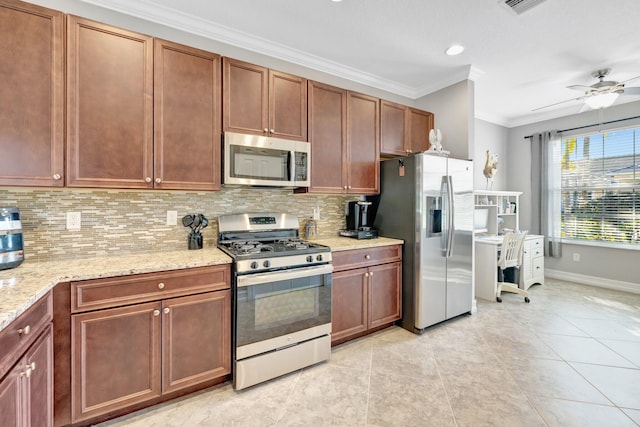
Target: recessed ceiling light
{"points": [[455, 49]]}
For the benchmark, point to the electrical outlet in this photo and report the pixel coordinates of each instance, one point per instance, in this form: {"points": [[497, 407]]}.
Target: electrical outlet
{"points": [[576, 257], [316, 213], [172, 217], [74, 220]]}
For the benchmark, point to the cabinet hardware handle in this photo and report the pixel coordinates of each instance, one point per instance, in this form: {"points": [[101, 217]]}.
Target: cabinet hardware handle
{"points": [[272, 131], [25, 330], [349, 187], [371, 274], [57, 176], [147, 179], [156, 312], [27, 373], [33, 366], [158, 180], [366, 274], [160, 285], [166, 310], [367, 256], [266, 130], [345, 187]]}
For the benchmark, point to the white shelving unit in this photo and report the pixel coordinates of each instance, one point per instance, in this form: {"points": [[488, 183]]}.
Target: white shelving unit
{"points": [[496, 210]]}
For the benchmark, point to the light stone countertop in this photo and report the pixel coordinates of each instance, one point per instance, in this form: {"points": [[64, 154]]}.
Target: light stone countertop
{"points": [[21, 287], [339, 243]]}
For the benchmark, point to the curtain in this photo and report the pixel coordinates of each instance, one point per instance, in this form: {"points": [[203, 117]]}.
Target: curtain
{"points": [[546, 156]]}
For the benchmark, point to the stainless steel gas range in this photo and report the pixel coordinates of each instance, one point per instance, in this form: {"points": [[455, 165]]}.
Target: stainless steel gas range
{"points": [[282, 296]]}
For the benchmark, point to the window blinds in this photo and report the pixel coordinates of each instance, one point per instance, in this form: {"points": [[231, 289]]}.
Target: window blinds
{"points": [[601, 187]]}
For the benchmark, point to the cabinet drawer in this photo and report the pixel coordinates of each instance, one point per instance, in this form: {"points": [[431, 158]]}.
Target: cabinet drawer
{"points": [[22, 332], [345, 260], [117, 291], [537, 267]]}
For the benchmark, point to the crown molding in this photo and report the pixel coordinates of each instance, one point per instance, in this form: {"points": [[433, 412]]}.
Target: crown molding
{"points": [[176, 19]]}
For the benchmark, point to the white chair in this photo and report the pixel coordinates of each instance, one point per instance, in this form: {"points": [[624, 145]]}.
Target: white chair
{"points": [[510, 256]]}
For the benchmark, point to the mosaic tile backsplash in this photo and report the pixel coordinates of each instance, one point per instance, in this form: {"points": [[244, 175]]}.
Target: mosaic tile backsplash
{"points": [[126, 221]]}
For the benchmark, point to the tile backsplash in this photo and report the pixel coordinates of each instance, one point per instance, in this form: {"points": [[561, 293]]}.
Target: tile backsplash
{"points": [[127, 221]]}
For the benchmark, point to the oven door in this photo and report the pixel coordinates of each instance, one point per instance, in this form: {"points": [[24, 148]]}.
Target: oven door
{"points": [[281, 308]]}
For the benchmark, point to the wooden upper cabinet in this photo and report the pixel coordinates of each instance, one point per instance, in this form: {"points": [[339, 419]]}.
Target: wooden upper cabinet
{"points": [[32, 94], [420, 123], [328, 137], [287, 106], [109, 106], [393, 128], [260, 101], [186, 117], [363, 142]]}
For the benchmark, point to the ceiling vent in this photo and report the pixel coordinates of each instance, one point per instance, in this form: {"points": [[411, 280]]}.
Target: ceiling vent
{"points": [[520, 6]]}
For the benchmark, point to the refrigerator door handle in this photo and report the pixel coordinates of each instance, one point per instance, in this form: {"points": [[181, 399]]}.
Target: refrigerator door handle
{"points": [[450, 212], [444, 235]]}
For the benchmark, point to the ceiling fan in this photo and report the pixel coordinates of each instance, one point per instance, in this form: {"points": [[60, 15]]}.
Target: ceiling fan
{"points": [[600, 94]]}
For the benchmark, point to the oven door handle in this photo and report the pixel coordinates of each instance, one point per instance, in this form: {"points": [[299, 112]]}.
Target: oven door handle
{"points": [[275, 276]]}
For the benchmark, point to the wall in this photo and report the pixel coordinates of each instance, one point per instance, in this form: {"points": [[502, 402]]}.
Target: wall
{"points": [[125, 221], [454, 111], [495, 138], [609, 267]]}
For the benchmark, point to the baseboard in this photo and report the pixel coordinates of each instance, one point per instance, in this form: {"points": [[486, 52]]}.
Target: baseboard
{"points": [[593, 281]]}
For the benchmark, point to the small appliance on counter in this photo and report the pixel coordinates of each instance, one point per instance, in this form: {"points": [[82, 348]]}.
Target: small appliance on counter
{"points": [[359, 220], [11, 245]]}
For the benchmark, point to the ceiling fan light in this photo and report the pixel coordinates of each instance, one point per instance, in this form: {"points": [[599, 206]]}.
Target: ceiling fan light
{"points": [[454, 50], [602, 100]]}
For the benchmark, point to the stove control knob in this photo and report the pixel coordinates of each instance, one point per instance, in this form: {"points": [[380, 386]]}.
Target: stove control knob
{"points": [[319, 258], [266, 264], [254, 265], [309, 258]]}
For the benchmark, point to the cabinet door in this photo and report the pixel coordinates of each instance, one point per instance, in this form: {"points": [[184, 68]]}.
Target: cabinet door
{"points": [[115, 359], [31, 90], [245, 97], [420, 123], [109, 106], [39, 359], [349, 301], [12, 412], [287, 106], [186, 118], [363, 142], [385, 285], [196, 343], [393, 126], [327, 136]]}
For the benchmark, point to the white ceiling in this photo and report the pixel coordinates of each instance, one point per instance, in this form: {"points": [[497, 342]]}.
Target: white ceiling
{"points": [[518, 62]]}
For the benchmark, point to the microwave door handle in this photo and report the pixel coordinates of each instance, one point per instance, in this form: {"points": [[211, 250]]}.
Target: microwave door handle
{"points": [[291, 165]]}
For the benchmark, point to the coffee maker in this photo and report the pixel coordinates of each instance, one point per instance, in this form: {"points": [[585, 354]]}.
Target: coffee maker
{"points": [[359, 220], [11, 246]]}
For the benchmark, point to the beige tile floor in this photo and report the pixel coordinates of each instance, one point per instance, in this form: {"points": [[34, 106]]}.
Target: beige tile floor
{"points": [[569, 358]]}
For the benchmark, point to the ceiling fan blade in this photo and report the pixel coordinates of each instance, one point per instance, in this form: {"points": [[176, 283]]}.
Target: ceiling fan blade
{"points": [[632, 78], [579, 87], [558, 103], [631, 91]]}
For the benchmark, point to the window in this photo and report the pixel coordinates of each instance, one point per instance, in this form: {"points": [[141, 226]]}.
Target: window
{"points": [[601, 187]]}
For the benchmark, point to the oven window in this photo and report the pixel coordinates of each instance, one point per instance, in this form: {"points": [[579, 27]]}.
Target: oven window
{"points": [[278, 308], [259, 163]]}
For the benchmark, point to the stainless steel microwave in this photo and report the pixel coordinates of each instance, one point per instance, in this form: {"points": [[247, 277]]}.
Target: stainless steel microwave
{"points": [[265, 162]]}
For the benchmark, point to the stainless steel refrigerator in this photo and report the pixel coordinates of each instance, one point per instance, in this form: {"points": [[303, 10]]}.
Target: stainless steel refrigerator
{"points": [[427, 200]]}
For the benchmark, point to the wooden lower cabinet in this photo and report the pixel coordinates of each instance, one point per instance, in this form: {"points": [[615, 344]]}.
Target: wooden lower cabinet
{"points": [[366, 291], [26, 368], [129, 342], [127, 355]]}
